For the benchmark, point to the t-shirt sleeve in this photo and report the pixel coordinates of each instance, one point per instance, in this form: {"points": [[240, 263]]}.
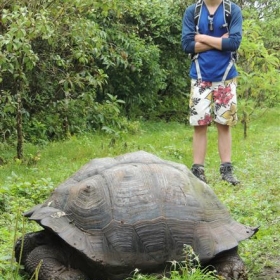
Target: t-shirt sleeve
{"points": [[188, 30], [235, 30]]}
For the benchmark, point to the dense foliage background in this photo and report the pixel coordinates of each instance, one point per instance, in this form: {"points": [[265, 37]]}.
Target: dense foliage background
{"points": [[90, 78], [71, 66]]}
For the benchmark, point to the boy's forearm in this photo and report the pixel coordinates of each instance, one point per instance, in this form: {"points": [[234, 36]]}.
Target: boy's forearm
{"points": [[211, 42], [201, 47]]}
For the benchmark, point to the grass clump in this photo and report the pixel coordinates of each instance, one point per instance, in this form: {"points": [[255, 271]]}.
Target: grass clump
{"points": [[189, 269]]}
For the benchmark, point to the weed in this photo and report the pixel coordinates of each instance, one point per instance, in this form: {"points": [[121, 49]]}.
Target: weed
{"points": [[189, 269]]}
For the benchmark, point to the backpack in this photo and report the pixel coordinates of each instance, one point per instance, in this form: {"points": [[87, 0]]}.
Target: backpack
{"points": [[227, 19], [227, 13]]}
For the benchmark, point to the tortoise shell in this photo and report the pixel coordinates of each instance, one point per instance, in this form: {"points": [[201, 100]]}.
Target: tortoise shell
{"points": [[137, 211]]}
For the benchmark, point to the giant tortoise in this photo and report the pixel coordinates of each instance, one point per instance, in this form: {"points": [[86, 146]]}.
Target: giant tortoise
{"points": [[132, 211]]}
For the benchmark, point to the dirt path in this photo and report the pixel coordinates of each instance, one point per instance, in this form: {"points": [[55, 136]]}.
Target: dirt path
{"points": [[271, 273]]}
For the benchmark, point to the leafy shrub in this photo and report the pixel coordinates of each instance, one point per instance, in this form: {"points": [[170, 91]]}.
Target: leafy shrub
{"points": [[17, 192]]}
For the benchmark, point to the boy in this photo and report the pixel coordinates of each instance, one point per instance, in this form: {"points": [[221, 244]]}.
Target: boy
{"points": [[213, 79]]}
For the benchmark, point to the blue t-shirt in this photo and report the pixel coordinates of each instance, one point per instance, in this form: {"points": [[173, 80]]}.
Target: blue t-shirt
{"points": [[213, 63]]}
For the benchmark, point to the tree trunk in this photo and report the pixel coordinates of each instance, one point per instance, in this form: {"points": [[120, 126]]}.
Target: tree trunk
{"points": [[19, 122], [245, 124]]}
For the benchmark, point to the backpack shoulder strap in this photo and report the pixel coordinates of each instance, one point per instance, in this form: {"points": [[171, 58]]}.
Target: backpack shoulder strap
{"points": [[197, 12], [227, 12], [227, 6]]}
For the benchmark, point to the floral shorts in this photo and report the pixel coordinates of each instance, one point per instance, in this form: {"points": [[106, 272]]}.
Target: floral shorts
{"points": [[213, 101]]}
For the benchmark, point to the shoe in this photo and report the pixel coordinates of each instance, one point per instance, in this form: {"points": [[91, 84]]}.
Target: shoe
{"points": [[198, 171], [226, 170]]}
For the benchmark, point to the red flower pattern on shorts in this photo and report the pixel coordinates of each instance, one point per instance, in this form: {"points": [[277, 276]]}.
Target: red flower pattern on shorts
{"points": [[213, 101], [222, 95], [207, 120], [204, 85]]}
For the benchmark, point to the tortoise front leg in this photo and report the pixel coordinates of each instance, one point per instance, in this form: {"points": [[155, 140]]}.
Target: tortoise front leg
{"points": [[44, 249], [50, 262], [28, 243]]}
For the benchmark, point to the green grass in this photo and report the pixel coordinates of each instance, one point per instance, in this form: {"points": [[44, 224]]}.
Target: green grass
{"points": [[254, 202]]}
